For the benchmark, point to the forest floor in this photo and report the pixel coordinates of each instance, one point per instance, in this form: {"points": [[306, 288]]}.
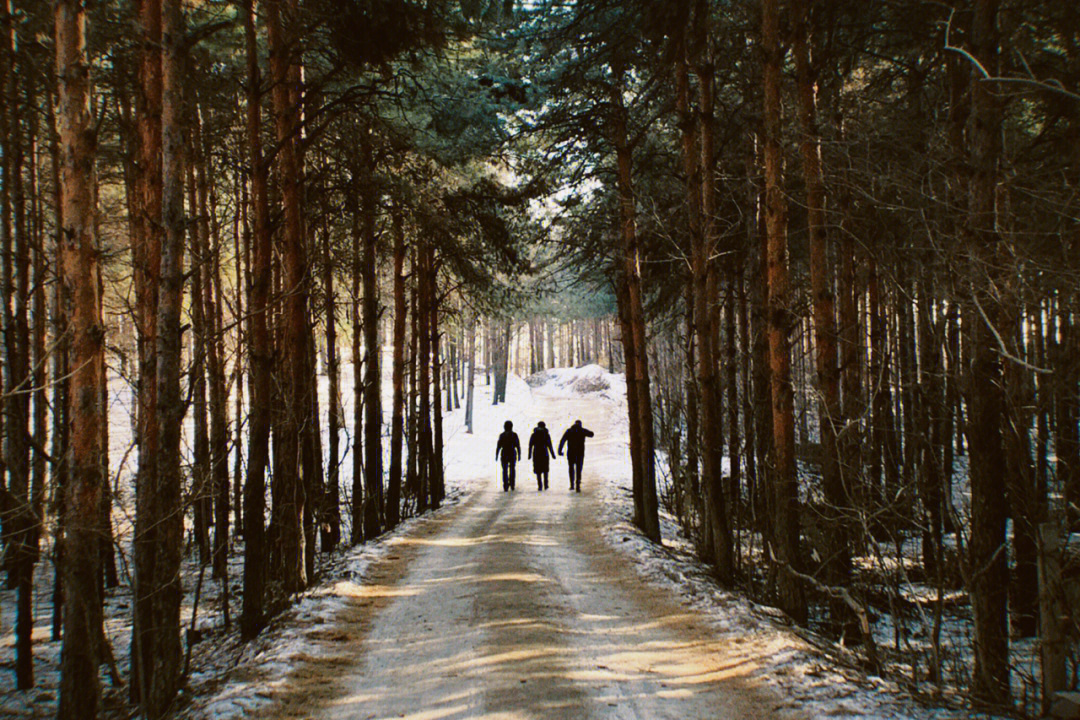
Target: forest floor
{"points": [[505, 605], [549, 604]]}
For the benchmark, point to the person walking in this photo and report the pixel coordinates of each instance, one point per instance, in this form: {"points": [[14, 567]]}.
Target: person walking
{"points": [[508, 450], [574, 440], [539, 449]]}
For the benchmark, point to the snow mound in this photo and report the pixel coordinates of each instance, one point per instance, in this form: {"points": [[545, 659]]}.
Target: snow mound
{"points": [[572, 382]]}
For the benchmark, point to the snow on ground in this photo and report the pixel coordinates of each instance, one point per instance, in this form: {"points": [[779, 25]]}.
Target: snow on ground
{"points": [[231, 680], [816, 677]]}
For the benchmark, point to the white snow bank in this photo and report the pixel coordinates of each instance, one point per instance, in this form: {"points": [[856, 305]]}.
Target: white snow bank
{"points": [[573, 382]]}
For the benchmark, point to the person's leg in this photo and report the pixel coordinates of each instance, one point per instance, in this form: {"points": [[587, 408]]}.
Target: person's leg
{"points": [[570, 467], [506, 476], [578, 462], [539, 482], [513, 475], [545, 479]]}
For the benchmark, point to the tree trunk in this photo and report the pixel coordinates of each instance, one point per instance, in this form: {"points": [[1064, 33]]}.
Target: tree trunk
{"points": [[288, 515], [372, 378], [60, 396], [253, 613], [219, 408], [438, 490], [471, 377], [80, 657], [987, 564], [706, 303], [691, 168], [631, 261], [838, 551], [397, 421], [412, 481], [424, 383], [201, 470], [785, 482], [159, 520], [357, 515], [19, 524], [332, 525]]}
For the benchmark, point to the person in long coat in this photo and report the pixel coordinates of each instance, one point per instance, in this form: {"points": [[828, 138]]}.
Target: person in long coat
{"points": [[574, 440], [508, 451], [540, 451]]}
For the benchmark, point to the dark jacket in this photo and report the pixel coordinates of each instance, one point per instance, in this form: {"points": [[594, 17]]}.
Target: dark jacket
{"points": [[539, 449], [509, 447], [574, 440]]}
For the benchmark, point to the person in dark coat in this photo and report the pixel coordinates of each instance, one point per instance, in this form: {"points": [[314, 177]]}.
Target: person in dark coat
{"points": [[539, 448], [574, 440], [508, 450]]}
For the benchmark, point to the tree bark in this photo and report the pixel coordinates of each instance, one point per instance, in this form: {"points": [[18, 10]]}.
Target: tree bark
{"points": [[424, 451], [201, 471], [706, 308], [252, 615], [332, 525], [397, 421], [372, 378], [19, 523], [631, 260], [80, 656], [838, 551], [159, 519], [785, 482], [438, 491], [290, 496], [470, 379], [987, 562]]}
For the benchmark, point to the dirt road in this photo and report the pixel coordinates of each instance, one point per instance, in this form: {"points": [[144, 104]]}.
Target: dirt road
{"points": [[510, 606]]}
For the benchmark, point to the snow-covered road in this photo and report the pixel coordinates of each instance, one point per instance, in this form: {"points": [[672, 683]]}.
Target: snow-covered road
{"points": [[511, 605]]}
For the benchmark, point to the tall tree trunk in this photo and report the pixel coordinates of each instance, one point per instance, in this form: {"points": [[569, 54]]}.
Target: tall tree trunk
{"points": [[242, 282], [838, 550], [146, 261], [80, 657], [372, 378], [706, 308], [397, 421], [332, 526], [412, 481], [219, 408], [19, 524], [288, 515], [357, 515], [424, 383], [987, 564], [40, 365], [159, 520], [691, 168], [631, 261], [438, 491], [60, 390], [471, 377], [785, 482], [630, 356], [252, 616], [201, 469]]}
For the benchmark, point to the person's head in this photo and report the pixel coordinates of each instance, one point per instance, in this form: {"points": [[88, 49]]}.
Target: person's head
{"points": [[540, 424], [577, 423], [507, 425]]}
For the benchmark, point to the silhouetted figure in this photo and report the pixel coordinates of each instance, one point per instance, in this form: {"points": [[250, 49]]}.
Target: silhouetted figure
{"points": [[508, 450], [539, 448], [574, 440]]}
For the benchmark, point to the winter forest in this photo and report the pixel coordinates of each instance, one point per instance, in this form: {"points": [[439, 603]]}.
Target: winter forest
{"points": [[276, 272]]}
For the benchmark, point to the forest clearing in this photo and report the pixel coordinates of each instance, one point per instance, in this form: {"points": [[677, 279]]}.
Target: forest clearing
{"points": [[276, 274]]}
